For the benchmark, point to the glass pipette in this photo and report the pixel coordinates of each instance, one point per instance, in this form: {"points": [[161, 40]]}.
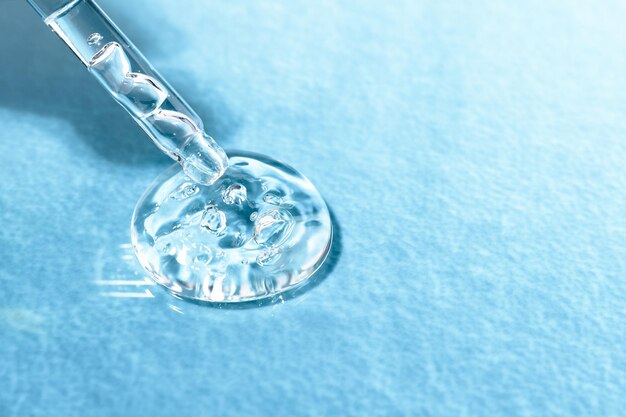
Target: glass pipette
{"points": [[126, 74]]}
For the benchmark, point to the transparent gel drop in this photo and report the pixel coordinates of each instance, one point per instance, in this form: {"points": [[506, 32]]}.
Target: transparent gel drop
{"points": [[213, 220], [186, 190], [235, 194], [268, 257], [223, 244], [272, 198], [273, 227]]}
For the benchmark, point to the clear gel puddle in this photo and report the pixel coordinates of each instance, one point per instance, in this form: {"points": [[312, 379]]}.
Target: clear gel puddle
{"points": [[259, 230]]}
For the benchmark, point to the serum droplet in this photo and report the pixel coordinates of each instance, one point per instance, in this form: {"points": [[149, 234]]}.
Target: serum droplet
{"points": [[235, 194], [186, 190], [268, 257], [273, 227], [272, 198], [213, 220]]}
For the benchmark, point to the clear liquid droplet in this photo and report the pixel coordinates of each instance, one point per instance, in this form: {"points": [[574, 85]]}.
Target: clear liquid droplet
{"points": [[186, 190], [273, 227], [213, 220], [262, 249], [268, 257], [235, 194], [272, 198]]}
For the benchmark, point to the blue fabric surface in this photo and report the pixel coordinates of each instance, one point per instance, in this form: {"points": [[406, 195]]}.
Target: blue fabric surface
{"points": [[472, 154]]}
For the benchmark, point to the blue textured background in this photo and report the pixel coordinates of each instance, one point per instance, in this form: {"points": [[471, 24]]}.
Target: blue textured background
{"points": [[473, 154]]}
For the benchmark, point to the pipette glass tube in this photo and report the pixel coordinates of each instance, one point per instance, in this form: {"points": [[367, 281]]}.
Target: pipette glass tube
{"points": [[220, 230], [126, 74]]}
